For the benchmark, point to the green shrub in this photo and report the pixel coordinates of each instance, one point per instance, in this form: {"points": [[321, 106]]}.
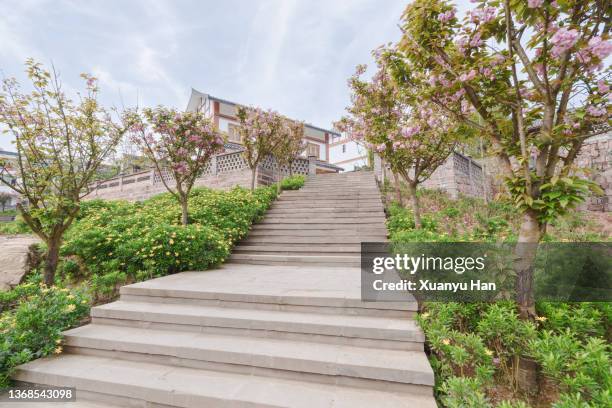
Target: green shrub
{"points": [[582, 368], [147, 239], [18, 226], [462, 392], [293, 182], [32, 327]]}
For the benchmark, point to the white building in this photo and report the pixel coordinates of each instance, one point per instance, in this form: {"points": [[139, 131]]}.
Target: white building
{"points": [[223, 114], [346, 153], [11, 158]]}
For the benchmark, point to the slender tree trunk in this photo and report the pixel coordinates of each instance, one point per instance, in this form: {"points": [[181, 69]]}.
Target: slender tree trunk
{"points": [[398, 190], [531, 232], [184, 210], [253, 176], [416, 208], [52, 259]]}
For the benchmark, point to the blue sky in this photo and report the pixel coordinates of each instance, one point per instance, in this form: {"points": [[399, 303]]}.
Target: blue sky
{"points": [[293, 56]]}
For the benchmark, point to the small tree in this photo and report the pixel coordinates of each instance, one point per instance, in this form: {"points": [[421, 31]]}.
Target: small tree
{"points": [[181, 143], [512, 70], [60, 145], [261, 132], [412, 136], [5, 198], [289, 147]]}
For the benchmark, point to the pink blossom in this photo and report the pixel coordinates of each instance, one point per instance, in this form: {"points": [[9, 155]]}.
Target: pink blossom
{"points": [[596, 111], [563, 40], [447, 16], [603, 87], [410, 131], [468, 77], [599, 47], [534, 3], [476, 41]]}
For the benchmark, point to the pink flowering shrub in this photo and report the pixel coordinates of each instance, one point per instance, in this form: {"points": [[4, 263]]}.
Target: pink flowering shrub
{"points": [[179, 143], [530, 78]]}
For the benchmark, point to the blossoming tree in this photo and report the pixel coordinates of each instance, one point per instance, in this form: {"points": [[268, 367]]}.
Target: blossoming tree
{"points": [[290, 146], [261, 131], [60, 145], [528, 76], [181, 143], [413, 137]]}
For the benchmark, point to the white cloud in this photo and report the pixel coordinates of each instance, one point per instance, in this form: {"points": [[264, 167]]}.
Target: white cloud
{"points": [[290, 55]]}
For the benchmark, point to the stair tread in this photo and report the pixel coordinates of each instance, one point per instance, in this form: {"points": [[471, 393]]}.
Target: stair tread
{"points": [[338, 325], [329, 359], [187, 387]]}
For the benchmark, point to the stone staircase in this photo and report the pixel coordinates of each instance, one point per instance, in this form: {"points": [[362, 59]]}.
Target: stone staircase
{"points": [[281, 325], [323, 223]]}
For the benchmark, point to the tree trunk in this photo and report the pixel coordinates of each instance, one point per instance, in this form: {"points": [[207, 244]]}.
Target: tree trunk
{"points": [[184, 210], [253, 176], [398, 190], [529, 236], [416, 208], [51, 260]]}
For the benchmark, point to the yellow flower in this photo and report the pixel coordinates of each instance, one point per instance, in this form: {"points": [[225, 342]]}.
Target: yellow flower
{"points": [[70, 308], [541, 318], [488, 352], [171, 242], [71, 296], [58, 350], [425, 315], [446, 342], [58, 341], [167, 252]]}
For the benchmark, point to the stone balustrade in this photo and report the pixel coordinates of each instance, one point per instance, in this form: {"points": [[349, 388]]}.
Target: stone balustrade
{"points": [[224, 171]]}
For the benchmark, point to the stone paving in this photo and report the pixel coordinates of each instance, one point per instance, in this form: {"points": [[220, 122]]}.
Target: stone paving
{"points": [[14, 250]]}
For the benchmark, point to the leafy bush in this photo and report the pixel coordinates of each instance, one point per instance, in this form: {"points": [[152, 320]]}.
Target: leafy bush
{"points": [[582, 368], [474, 346], [18, 226], [148, 239], [32, 327], [293, 182]]}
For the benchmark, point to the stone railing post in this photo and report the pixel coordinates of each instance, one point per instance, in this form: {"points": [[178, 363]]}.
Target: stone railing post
{"points": [[213, 165], [312, 166], [378, 168], [153, 176]]}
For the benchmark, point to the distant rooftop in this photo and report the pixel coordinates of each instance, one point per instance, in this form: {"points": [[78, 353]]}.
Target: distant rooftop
{"points": [[225, 101]]}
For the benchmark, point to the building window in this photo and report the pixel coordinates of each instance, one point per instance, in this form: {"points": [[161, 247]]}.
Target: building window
{"points": [[233, 132], [313, 150], [343, 148]]}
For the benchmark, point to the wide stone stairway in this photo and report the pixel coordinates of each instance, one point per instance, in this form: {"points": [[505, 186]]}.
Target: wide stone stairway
{"points": [[280, 325]]}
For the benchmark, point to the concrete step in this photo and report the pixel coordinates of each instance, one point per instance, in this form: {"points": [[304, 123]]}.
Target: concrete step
{"points": [[330, 197], [315, 205], [330, 227], [394, 333], [274, 219], [254, 247], [311, 289], [402, 371], [324, 210], [354, 214], [81, 402], [333, 195], [329, 239], [333, 202], [323, 260], [148, 384], [376, 234]]}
